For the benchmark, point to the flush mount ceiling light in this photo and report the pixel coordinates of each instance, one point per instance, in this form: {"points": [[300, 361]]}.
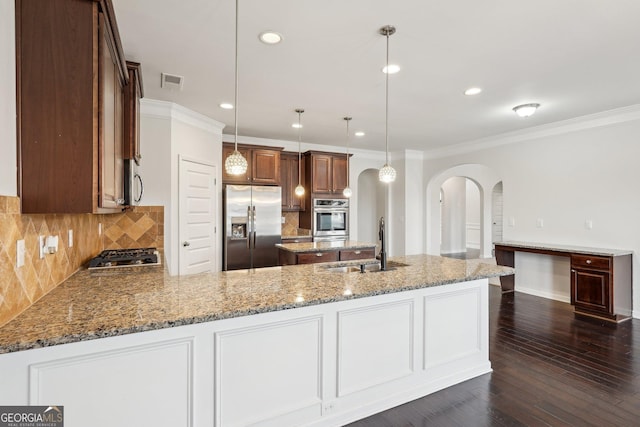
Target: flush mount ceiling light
{"points": [[347, 191], [299, 189], [236, 164], [359, 133], [391, 69], [387, 173], [226, 106], [526, 110], [472, 91], [270, 37]]}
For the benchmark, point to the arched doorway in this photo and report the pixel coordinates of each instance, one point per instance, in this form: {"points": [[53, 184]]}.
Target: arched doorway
{"points": [[461, 218], [485, 179]]}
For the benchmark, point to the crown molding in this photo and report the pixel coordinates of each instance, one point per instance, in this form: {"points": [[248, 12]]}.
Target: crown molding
{"points": [[170, 110], [601, 119]]}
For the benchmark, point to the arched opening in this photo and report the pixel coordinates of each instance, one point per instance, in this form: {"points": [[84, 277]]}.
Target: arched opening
{"points": [[483, 179], [371, 205], [461, 215]]}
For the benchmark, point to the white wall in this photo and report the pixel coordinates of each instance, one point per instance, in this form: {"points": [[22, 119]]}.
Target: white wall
{"points": [[8, 160], [453, 215], [168, 131], [414, 214], [472, 208], [564, 174]]}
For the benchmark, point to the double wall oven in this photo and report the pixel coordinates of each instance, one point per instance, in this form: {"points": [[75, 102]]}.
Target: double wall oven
{"points": [[330, 219]]}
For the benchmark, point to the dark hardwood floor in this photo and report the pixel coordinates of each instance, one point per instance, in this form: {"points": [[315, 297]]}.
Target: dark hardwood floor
{"points": [[549, 369]]}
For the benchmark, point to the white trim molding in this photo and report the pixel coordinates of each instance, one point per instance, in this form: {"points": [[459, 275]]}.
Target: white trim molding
{"points": [[170, 110]]}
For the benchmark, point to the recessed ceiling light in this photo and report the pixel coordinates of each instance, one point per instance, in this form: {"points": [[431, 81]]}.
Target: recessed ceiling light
{"points": [[270, 37], [472, 91], [359, 133], [526, 110], [393, 68], [296, 125], [226, 106]]}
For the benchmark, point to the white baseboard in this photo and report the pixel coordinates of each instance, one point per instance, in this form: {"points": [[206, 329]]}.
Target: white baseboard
{"points": [[549, 295]]}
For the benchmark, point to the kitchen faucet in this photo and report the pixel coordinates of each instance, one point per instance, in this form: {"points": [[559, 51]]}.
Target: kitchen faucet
{"points": [[383, 245]]}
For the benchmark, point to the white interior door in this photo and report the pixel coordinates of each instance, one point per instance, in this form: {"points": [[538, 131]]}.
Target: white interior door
{"points": [[496, 213], [197, 216]]}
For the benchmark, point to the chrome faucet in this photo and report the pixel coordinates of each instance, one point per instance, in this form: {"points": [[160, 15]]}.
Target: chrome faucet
{"points": [[383, 245]]}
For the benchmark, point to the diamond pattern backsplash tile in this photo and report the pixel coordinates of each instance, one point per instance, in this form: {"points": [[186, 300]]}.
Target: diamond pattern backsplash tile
{"points": [[20, 287]]}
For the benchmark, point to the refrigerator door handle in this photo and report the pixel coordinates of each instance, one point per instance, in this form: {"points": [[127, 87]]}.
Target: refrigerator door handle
{"points": [[249, 227], [253, 226]]}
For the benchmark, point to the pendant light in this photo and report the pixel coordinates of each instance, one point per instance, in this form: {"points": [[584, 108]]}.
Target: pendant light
{"points": [[387, 173], [236, 164], [347, 191], [299, 189]]}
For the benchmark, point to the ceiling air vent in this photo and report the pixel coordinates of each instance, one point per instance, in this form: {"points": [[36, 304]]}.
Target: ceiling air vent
{"points": [[171, 81]]}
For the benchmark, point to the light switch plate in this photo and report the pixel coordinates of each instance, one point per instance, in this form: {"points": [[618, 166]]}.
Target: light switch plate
{"points": [[588, 224], [20, 253], [41, 246], [283, 220], [539, 223]]}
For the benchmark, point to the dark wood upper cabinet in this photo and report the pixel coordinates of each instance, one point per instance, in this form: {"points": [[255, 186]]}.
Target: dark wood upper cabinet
{"points": [[289, 181], [327, 172], [263, 165], [70, 78], [133, 92]]}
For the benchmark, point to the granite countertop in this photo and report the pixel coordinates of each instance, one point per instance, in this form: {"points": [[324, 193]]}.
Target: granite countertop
{"points": [[324, 246], [567, 248], [103, 303]]}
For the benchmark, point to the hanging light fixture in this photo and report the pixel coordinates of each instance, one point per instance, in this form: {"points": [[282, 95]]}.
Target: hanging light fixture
{"points": [[387, 173], [347, 191], [236, 164], [299, 189]]}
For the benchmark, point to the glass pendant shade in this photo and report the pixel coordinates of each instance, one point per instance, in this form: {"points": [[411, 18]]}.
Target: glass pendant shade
{"points": [[347, 192], [299, 190], [235, 164], [387, 173]]}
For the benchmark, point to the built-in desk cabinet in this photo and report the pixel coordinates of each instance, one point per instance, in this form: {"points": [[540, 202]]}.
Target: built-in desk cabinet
{"points": [[70, 78], [600, 283]]}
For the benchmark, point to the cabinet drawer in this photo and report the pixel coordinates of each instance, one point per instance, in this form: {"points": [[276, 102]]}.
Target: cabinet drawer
{"points": [[590, 261], [348, 254], [320, 256]]}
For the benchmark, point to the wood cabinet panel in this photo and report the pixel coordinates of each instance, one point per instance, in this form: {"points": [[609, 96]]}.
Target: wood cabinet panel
{"points": [[326, 172], [350, 254], [64, 107], [315, 257], [339, 174], [289, 181], [133, 92], [591, 261], [320, 174], [263, 165], [590, 290]]}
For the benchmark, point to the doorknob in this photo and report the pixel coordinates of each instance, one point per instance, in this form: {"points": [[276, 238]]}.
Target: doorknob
{"points": [[185, 244]]}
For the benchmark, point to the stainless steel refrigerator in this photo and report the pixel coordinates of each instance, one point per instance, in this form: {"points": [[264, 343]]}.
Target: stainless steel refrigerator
{"points": [[252, 226]]}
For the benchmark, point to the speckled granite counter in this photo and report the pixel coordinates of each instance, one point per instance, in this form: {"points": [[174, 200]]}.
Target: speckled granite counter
{"points": [[566, 248], [98, 304], [325, 246]]}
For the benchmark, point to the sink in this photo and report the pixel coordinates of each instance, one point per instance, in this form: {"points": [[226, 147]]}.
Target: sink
{"points": [[369, 268]]}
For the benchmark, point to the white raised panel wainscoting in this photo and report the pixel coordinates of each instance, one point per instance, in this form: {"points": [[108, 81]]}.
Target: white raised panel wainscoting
{"points": [[322, 365]]}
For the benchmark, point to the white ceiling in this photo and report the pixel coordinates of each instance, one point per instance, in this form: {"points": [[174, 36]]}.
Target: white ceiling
{"points": [[575, 57]]}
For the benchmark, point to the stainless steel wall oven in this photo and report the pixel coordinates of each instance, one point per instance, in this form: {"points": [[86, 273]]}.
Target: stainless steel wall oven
{"points": [[330, 219]]}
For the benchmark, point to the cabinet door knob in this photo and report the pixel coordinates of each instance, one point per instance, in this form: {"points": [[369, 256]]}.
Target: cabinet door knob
{"points": [[185, 244], [319, 254], [357, 252], [588, 261], [572, 270]]}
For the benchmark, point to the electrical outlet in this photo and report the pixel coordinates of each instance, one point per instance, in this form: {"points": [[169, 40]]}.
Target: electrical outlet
{"points": [[70, 238], [20, 250], [283, 220]]}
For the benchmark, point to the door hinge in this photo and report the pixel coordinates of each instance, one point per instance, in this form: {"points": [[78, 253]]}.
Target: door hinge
{"points": [[215, 181]]}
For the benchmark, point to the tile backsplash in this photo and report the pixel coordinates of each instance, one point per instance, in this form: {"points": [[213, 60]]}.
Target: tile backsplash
{"points": [[20, 287], [291, 225]]}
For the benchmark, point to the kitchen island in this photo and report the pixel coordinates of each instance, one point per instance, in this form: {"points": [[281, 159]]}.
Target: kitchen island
{"points": [[296, 345]]}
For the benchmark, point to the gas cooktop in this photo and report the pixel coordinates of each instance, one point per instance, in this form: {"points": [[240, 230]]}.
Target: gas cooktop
{"points": [[125, 258]]}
